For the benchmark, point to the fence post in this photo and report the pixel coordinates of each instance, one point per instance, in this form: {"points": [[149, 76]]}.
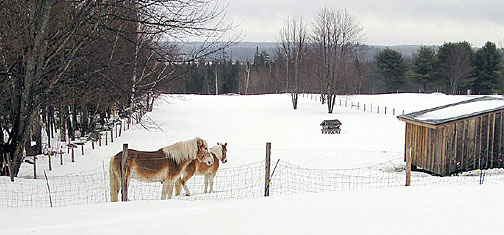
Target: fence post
{"points": [[49, 156], [124, 190], [82, 149], [408, 169], [267, 169], [106, 138], [112, 135], [48, 189], [73, 158], [35, 167], [61, 157]]}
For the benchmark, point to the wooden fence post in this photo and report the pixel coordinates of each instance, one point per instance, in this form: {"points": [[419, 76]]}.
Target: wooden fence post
{"points": [[112, 135], [106, 138], [267, 169], [73, 157], [35, 167], [61, 157], [49, 156], [82, 149], [408, 168], [124, 185]]}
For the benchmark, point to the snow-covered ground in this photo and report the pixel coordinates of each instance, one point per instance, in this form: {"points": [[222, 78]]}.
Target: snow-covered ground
{"points": [[246, 123]]}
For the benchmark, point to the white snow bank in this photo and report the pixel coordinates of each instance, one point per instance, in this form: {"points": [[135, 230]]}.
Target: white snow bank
{"points": [[413, 210]]}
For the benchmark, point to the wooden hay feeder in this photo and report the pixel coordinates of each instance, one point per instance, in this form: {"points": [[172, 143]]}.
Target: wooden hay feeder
{"points": [[331, 126]]}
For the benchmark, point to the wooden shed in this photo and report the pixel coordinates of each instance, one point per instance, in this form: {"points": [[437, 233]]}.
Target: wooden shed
{"points": [[330, 126], [458, 137]]}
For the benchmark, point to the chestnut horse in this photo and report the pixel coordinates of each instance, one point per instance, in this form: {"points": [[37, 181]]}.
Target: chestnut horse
{"points": [[219, 152], [164, 165]]}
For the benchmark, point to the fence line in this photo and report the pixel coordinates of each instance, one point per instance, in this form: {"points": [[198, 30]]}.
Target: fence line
{"points": [[365, 107], [246, 181]]}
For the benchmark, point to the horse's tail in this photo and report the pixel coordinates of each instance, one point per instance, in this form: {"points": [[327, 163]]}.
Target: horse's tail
{"points": [[115, 184]]}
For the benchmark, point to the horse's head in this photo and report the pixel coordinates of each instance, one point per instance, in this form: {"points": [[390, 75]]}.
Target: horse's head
{"points": [[203, 154], [224, 152]]}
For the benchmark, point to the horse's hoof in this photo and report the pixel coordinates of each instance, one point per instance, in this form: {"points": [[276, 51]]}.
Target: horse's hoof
{"points": [[188, 194]]}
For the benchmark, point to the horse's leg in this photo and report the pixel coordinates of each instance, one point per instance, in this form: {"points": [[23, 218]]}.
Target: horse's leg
{"points": [[164, 191], [178, 187], [170, 183], [187, 176], [114, 184], [211, 176], [206, 182]]}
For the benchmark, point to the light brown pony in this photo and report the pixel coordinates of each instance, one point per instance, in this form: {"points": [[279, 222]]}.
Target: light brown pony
{"points": [[164, 165], [219, 152]]}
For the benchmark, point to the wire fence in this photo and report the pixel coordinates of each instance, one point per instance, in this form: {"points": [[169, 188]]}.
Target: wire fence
{"points": [[246, 181], [344, 101]]}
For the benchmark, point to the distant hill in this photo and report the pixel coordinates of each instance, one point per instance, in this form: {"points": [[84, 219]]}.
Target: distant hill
{"points": [[245, 51]]}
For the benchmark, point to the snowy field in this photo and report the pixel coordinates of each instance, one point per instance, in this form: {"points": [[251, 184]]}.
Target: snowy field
{"points": [[246, 123]]}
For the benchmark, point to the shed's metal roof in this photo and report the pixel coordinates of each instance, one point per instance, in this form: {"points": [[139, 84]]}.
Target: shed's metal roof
{"points": [[334, 122], [456, 111]]}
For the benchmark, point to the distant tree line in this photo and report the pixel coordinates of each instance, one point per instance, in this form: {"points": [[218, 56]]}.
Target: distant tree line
{"points": [[329, 59], [453, 68]]}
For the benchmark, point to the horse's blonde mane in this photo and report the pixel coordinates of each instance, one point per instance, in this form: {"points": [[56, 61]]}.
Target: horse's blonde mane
{"points": [[217, 150], [183, 150]]}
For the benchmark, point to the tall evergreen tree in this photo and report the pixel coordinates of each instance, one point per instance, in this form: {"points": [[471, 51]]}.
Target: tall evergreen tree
{"points": [[423, 68], [229, 83], [391, 68], [487, 63]]}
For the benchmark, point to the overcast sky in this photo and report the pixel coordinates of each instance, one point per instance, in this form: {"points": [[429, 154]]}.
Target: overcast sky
{"points": [[385, 22]]}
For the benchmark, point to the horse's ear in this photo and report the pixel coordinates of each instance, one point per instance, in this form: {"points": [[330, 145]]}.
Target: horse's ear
{"points": [[225, 144], [200, 142]]}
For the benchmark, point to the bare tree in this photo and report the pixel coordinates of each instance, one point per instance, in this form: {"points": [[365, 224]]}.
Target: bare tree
{"points": [[455, 60], [42, 43], [335, 33], [293, 45]]}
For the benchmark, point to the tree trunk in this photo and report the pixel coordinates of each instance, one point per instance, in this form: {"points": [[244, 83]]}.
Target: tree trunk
{"points": [[294, 98]]}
